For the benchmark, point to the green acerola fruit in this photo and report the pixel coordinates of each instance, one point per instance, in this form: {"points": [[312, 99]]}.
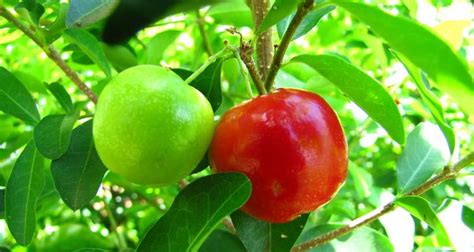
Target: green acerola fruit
{"points": [[150, 127]]}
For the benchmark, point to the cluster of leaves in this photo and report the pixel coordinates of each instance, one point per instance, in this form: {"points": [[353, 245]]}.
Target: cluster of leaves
{"points": [[57, 195]]}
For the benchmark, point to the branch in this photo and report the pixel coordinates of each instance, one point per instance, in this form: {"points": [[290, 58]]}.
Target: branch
{"points": [[51, 52], [264, 41], [246, 51], [303, 9], [205, 39], [447, 174]]}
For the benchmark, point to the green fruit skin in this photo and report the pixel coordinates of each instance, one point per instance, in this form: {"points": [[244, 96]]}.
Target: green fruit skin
{"points": [[150, 127]]}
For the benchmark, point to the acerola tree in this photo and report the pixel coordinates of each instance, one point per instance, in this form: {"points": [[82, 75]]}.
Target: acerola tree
{"points": [[232, 125]]}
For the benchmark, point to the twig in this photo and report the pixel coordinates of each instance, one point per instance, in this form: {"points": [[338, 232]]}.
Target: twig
{"points": [[51, 52], [303, 9], [264, 40], [205, 39], [447, 174], [224, 53], [122, 243]]}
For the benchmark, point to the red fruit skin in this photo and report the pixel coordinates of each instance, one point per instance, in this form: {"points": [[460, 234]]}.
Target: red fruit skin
{"points": [[291, 146]]}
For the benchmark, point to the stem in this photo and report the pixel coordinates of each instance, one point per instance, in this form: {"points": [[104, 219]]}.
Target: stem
{"points": [[264, 40], [303, 9], [246, 51], [248, 88], [205, 39], [51, 52], [224, 53], [122, 243], [447, 174]]}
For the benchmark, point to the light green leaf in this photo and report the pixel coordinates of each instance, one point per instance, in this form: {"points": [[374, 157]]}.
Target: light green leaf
{"points": [[53, 134], [279, 10], [90, 46], [24, 186], [196, 211], [309, 21], [422, 47], [363, 90], [79, 172], [158, 44], [120, 56], [425, 154], [15, 98], [86, 12], [62, 96], [262, 236], [421, 209]]}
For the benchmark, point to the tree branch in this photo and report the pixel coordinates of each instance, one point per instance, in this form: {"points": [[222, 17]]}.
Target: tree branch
{"points": [[368, 218], [50, 52], [303, 9], [264, 40]]}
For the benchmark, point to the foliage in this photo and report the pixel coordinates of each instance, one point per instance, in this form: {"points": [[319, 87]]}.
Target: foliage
{"points": [[397, 73]]}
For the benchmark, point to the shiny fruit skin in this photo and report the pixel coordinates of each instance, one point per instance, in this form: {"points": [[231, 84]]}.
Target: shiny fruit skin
{"points": [[291, 146], [150, 127]]}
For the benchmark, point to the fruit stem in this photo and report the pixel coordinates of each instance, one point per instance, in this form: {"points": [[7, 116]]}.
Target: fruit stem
{"points": [[446, 174], [50, 51], [225, 53], [303, 9]]}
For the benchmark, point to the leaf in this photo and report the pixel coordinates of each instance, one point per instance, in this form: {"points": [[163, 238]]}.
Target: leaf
{"points": [[120, 57], [362, 239], [400, 229], [86, 12], [425, 154], [90, 46], [2, 203], [78, 173], [235, 13], [262, 236], [196, 211], [423, 48], [30, 10], [53, 134], [31, 82], [430, 99], [362, 89], [421, 209], [468, 217], [158, 44], [24, 186], [15, 98], [221, 240], [279, 10], [62, 96], [309, 21]]}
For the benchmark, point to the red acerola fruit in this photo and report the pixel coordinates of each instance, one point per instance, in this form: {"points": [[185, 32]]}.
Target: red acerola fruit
{"points": [[291, 146]]}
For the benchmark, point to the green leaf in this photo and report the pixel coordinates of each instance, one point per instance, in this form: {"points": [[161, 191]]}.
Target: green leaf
{"points": [[262, 236], [468, 217], [15, 98], [2, 203], [235, 13], [24, 186], [363, 90], [30, 10], [279, 10], [362, 179], [53, 134], [221, 240], [309, 21], [425, 154], [90, 46], [31, 82], [400, 229], [79, 172], [158, 44], [62, 96], [120, 56], [422, 47], [86, 12], [362, 239], [421, 209], [196, 211]]}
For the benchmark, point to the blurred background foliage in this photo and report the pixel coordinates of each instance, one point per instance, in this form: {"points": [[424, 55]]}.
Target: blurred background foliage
{"points": [[176, 42]]}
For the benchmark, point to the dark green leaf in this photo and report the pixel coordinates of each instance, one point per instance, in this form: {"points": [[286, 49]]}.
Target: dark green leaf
{"points": [[90, 46], [61, 96], [15, 98], [363, 90], [430, 100], [421, 209], [2, 203], [86, 12], [120, 57], [53, 134], [279, 10], [309, 21], [468, 217], [196, 211], [363, 239], [55, 29], [78, 173], [30, 10], [209, 84], [158, 44], [425, 154], [423, 48], [221, 240], [24, 186], [262, 236]]}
